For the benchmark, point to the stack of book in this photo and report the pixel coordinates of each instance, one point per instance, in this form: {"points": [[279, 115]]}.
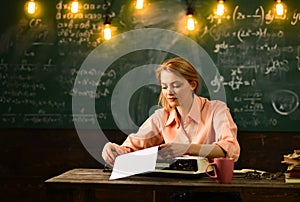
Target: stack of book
{"points": [[292, 174]]}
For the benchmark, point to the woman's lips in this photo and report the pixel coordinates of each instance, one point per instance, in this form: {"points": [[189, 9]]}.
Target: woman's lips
{"points": [[171, 99]]}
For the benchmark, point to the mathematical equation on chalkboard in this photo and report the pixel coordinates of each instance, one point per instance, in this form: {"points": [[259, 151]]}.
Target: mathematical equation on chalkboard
{"points": [[260, 16], [82, 27], [256, 61], [256, 52]]}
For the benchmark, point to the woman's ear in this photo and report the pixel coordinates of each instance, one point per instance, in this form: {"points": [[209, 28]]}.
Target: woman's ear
{"points": [[193, 85]]}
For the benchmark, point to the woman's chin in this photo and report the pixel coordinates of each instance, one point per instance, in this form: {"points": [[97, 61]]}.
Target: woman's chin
{"points": [[173, 104]]}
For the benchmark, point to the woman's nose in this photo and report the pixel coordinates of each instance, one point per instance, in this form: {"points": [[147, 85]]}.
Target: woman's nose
{"points": [[170, 90]]}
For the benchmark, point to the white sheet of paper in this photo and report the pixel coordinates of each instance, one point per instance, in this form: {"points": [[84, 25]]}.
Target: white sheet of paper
{"points": [[134, 163]]}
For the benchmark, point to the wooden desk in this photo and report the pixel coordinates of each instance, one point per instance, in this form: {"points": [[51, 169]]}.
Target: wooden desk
{"points": [[94, 185]]}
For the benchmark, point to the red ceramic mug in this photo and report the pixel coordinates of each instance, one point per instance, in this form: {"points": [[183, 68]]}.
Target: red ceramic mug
{"points": [[223, 170]]}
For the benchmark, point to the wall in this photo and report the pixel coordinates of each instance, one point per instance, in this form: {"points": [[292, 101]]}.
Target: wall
{"points": [[31, 156]]}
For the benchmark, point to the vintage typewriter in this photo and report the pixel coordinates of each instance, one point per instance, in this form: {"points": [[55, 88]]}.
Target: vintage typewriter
{"points": [[186, 165]]}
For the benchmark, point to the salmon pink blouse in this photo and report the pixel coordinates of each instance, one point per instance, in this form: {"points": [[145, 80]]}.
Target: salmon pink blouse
{"points": [[208, 122]]}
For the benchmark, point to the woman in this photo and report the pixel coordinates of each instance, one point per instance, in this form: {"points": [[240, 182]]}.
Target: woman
{"points": [[186, 124]]}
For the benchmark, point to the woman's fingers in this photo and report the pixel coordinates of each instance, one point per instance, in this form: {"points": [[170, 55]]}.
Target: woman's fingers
{"points": [[111, 151], [166, 152], [172, 150]]}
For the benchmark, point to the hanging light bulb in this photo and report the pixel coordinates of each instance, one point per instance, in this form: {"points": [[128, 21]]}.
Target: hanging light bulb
{"points": [[74, 6], [31, 7], [190, 23], [107, 28], [107, 32], [279, 7], [220, 8], [139, 4]]}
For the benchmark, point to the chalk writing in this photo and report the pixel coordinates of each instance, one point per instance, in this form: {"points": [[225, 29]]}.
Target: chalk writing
{"points": [[89, 118], [257, 16], [90, 93], [249, 102], [34, 22], [42, 118], [250, 122], [214, 18], [81, 28], [49, 65], [271, 17], [32, 102], [276, 67], [246, 33], [235, 83], [8, 118], [285, 102], [255, 51], [296, 18]]}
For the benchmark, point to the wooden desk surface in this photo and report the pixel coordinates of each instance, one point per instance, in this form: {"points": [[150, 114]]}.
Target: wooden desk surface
{"points": [[96, 179]]}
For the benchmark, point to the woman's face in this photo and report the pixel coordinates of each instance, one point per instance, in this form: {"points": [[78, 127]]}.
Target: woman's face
{"points": [[175, 88]]}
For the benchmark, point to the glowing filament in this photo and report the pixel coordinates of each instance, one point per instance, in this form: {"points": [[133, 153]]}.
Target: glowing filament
{"points": [[139, 4], [279, 8], [31, 7], [190, 22], [220, 8], [107, 32], [74, 7]]}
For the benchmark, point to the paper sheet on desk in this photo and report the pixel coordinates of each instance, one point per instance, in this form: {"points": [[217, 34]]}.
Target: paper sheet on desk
{"points": [[134, 163]]}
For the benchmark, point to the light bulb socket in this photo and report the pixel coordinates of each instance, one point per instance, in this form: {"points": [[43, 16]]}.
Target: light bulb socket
{"points": [[190, 11], [107, 20]]}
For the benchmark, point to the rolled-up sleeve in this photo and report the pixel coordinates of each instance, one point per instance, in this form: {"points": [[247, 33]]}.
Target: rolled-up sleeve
{"points": [[148, 135], [226, 131]]}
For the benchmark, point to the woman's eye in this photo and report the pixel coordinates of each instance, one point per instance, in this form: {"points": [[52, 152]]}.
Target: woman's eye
{"points": [[176, 86], [164, 87]]}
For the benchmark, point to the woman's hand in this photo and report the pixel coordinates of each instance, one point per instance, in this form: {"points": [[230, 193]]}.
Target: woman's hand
{"points": [[172, 150], [111, 151]]}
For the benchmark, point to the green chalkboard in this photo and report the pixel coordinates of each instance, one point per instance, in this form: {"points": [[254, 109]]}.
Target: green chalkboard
{"points": [[53, 59]]}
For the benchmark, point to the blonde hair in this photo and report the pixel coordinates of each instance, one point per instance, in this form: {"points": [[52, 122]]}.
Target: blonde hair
{"points": [[182, 67]]}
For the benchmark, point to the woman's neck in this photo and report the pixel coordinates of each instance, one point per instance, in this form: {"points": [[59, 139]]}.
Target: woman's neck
{"points": [[185, 108]]}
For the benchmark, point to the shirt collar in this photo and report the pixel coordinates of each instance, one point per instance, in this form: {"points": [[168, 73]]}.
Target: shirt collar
{"points": [[173, 117], [194, 113]]}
